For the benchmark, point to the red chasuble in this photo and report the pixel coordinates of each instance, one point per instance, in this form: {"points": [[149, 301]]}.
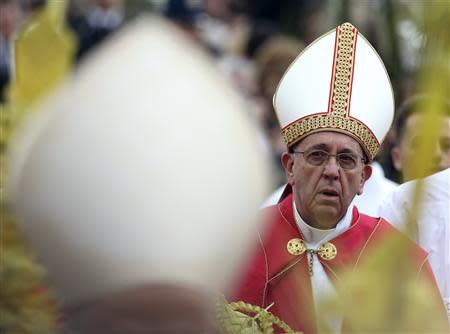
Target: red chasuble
{"points": [[273, 275]]}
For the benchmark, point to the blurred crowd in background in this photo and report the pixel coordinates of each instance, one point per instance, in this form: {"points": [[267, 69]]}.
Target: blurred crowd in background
{"points": [[252, 42]]}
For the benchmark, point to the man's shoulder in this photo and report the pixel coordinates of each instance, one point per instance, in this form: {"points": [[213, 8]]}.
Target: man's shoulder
{"points": [[272, 219], [383, 229], [279, 215], [379, 224], [276, 227]]}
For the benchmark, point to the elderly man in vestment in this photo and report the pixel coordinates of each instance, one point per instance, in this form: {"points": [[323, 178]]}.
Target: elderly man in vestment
{"points": [[334, 105]]}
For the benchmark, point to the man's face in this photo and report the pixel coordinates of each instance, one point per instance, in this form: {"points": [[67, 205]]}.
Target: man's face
{"points": [[403, 155], [323, 193]]}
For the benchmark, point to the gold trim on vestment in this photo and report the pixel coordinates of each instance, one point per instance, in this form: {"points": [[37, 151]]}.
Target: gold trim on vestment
{"points": [[366, 243]]}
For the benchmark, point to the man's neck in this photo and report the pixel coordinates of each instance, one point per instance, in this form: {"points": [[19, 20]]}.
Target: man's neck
{"points": [[315, 235], [320, 223]]}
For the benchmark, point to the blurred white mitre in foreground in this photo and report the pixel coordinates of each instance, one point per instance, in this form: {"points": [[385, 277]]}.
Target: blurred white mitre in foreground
{"points": [[144, 167]]}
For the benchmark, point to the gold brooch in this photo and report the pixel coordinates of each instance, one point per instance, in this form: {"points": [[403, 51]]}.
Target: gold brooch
{"points": [[327, 251], [296, 246]]}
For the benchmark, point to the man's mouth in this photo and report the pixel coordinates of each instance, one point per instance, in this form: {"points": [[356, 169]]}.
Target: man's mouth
{"points": [[330, 192]]}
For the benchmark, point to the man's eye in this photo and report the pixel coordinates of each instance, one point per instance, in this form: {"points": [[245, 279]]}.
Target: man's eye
{"points": [[346, 157], [317, 154]]}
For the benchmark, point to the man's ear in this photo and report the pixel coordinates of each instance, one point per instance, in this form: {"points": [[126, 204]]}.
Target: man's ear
{"points": [[287, 160], [365, 175], [396, 158]]}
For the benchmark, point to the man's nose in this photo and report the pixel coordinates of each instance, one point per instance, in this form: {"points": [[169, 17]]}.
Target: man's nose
{"points": [[331, 168]]}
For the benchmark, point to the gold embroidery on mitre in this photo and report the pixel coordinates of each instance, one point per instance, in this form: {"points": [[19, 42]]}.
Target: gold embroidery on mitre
{"points": [[337, 117], [294, 132], [343, 70]]}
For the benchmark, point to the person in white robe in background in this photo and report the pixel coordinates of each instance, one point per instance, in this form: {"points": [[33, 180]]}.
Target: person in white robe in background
{"points": [[432, 226]]}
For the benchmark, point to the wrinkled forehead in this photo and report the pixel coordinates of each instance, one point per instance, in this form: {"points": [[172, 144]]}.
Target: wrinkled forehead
{"points": [[330, 140]]}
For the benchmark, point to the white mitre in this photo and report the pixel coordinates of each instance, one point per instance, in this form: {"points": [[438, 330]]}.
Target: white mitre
{"points": [[338, 83], [143, 168]]}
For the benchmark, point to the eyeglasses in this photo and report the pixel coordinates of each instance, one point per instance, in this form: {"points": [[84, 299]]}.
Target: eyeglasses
{"points": [[347, 161]]}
